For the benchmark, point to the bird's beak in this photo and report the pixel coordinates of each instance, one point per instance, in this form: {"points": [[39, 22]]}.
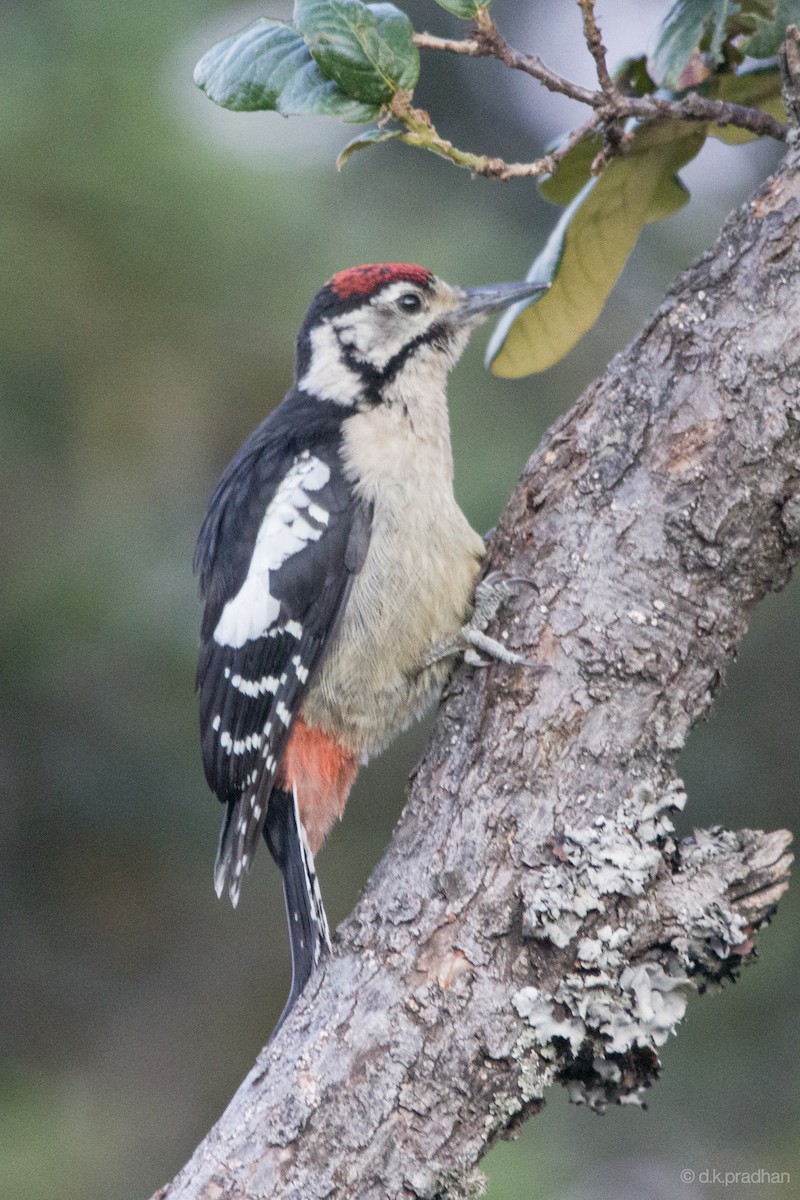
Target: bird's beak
{"points": [[479, 302]]}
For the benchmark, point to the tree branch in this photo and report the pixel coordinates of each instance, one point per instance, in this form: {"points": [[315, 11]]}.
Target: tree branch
{"points": [[534, 919], [692, 107], [612, 107]]}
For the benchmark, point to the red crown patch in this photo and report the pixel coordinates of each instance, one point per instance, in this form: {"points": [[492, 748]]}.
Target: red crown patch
{"points": [[360, 281]]}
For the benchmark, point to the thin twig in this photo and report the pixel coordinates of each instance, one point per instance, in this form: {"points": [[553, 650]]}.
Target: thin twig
{"points": [[611, 119], [496, 46], [429, 41], [419, 130], [594, 41], [697, 108]]}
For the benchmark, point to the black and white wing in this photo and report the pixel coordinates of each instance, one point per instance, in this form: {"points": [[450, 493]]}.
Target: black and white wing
{"points": [[277, 553]]}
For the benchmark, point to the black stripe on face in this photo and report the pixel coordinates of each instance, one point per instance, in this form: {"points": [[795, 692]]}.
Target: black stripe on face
{"points": [[377, 379]]}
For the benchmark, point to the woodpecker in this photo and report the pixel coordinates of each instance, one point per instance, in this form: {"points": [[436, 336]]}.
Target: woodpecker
{"points": [[338, 574]]}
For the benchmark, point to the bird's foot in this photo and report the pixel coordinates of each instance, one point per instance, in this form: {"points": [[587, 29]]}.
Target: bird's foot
{"points": [[472, 639]]}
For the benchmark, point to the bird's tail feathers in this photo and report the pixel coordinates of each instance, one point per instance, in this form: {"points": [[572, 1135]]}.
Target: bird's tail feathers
{"points": [[241, 828], [224, 872], [309, 936]]}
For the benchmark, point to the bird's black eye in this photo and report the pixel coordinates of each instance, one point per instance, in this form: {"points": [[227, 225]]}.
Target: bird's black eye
{"points": [[409, 302]]}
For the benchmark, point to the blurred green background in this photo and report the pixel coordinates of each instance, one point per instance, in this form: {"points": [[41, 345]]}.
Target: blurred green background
{"points": [[158, 255]]}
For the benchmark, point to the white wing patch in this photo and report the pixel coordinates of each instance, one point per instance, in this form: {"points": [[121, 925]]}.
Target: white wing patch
{"points": [[284, 531]]}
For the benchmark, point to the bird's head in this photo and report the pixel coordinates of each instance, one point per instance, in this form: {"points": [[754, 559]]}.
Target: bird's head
{"points": [[374, 331]]}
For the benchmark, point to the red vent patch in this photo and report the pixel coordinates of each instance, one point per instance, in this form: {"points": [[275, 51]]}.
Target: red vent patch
{"points": [[361, 281]]}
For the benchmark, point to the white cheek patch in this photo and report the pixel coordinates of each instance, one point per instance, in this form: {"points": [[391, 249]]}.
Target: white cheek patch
{"points": [[285, 530], [374, 337], [361, 330], [328, 376]]}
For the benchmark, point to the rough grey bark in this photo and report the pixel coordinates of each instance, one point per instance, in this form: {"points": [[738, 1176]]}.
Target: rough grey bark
{"points": [[534, 919]]}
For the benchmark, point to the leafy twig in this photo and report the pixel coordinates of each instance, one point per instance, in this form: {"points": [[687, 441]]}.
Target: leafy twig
{"points": [[690, 108], [611, 106]]}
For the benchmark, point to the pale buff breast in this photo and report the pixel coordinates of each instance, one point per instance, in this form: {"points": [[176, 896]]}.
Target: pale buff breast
{"points": [[415, 587]]}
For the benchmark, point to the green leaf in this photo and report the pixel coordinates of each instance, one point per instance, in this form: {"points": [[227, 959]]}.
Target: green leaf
{"points": [[760, 88], [633, 78], [367, 48], [268, 67], [669, 197], [686, 25], [573, 172], [463, 8], [364, 140], [589, 246], [769, 32], [764, 40]]}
